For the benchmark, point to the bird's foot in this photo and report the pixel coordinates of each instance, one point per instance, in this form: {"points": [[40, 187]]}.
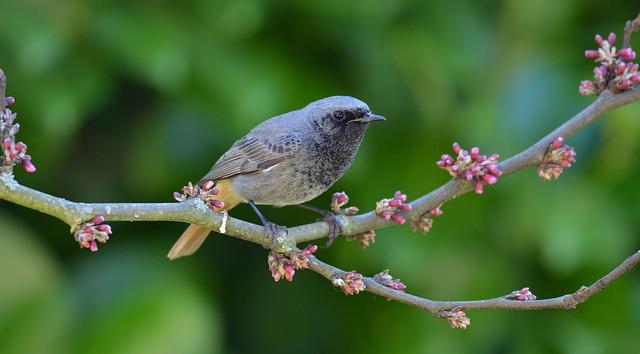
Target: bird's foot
{"points": [[277, 234], [335, 229]]}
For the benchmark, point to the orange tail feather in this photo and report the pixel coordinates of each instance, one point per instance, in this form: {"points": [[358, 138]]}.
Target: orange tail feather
{"points": [[191, 239]]}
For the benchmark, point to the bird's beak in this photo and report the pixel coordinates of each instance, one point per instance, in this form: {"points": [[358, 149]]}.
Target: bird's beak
{"points": [[368, 118]]}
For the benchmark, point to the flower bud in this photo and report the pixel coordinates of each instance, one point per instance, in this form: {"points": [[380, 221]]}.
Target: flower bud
{"points": [[591, 54]]}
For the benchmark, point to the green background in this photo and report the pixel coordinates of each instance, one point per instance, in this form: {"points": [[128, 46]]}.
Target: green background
{"points": [[126, 101]]}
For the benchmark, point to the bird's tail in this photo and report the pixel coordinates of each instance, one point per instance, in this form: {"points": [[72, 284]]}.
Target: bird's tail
{"points": [[191, 239]]}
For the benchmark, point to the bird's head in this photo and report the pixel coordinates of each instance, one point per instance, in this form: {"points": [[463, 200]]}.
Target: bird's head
{"points": [[342, 113]]}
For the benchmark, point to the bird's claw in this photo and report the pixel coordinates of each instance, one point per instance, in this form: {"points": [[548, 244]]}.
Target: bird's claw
{"points": [[277, 234], [335, 230]]}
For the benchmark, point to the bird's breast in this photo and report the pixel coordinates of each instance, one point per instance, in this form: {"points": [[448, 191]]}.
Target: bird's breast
{"points": [[311, 171]]}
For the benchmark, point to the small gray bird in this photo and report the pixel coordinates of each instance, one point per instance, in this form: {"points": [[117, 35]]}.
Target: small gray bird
{"points": [[286, 160]]}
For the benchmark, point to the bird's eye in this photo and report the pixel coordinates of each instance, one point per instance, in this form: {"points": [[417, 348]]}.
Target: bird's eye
{"points": [[338, 115]]}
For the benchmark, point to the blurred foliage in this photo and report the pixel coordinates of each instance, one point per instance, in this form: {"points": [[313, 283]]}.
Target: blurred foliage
{"points": [[127, 100]]}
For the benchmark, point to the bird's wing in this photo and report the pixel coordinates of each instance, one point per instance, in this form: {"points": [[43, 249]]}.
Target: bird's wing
{"points": [[251, 154]]}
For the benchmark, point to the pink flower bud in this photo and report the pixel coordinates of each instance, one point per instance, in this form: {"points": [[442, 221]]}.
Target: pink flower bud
{"points": [[386, 214], [474, 153], [340, 198], [399, 196], [9, 100], [624, 84], [456, 148], [404, 207], [468, 175], [598, 39], [586, 88], [93, 246], [627, 54], [178, 196], [493, 169], [350, 211], [394, 203], [105, 228], [398, 219], [564, 163], [28, 165], [479, 187], [436, 212], [600, 72], [6, 144], [208, 185], [557, 143], [289, 272], [523, 294], [218, 204], [591, 54], [611, 38], [489, 179]]}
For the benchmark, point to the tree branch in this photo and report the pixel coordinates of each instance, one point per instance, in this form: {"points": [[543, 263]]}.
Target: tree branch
{"points": [[569, 301], [194, 211], [74, 213], [630, 27]]}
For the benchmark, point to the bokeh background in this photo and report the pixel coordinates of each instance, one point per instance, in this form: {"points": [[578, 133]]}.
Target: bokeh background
{"points": [[128, 100]]}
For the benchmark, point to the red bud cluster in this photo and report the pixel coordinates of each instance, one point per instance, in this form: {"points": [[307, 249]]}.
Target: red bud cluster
{"points": [[207, 193], [616, 70], [284, 265], [365, 239], [523, 294], [387, 280], [558, 157], [424, 221], [350, 283], [390, 209], [458, 319], [95, 230], [472, 166], [340, 199], [13, 153]]}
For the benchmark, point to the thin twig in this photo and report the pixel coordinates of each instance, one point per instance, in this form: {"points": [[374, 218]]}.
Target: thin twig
{"points": [[630, 27], [3, 88], [568, 301]]}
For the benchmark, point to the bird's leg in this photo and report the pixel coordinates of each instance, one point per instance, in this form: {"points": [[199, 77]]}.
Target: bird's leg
{"points": [[273, 232], [330, 218]]}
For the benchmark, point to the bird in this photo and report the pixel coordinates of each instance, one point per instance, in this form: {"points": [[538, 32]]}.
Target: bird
{"points": [[288, 159]]}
